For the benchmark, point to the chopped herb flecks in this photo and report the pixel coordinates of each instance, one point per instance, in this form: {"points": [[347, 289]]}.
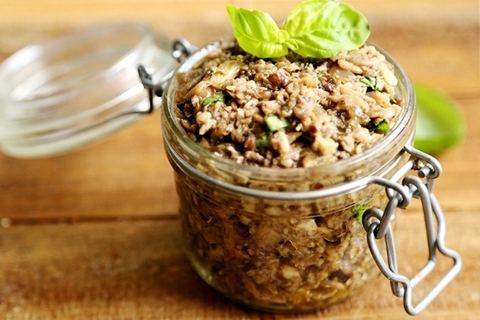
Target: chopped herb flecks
{"points": [[217, 96], [373, 83], [274, 123], [359, 210], [382, 127], [262, 141]]}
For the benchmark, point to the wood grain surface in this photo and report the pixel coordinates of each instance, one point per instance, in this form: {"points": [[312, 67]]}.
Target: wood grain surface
{"points": [[94, 234]]}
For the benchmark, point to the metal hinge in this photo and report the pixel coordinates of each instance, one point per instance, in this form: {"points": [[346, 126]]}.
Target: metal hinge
{"points": [[377, 223], [181, 50]]}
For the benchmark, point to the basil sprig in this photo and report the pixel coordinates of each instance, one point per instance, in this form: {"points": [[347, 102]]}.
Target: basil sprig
{"points": [[315, 28]]}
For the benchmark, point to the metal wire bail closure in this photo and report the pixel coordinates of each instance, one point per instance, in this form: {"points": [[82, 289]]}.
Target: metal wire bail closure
{"points": [[377, 223], [181, 49]]}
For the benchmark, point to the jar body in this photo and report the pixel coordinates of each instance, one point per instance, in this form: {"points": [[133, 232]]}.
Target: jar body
{"points": [[277, 255], [286, 240]]}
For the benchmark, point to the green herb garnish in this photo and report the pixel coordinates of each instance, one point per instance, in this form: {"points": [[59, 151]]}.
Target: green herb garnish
{"points": [[382, 127], [217, 96], [262, 141], [440, 123], [315, 28], [274, 123], [359, 210], [373, 83]]}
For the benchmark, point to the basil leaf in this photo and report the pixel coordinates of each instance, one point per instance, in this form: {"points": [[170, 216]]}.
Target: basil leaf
{"points": [[257, 33], [316, 28], [440, 124], [323, 28]]}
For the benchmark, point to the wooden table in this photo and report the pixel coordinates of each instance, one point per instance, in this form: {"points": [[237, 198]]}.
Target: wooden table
{"points": [[95, 235]]}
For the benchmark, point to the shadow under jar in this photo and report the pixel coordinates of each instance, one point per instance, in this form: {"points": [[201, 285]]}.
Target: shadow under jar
{"points": [[278, 239]]}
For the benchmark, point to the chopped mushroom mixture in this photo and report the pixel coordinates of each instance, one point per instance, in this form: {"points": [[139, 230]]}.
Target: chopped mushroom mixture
{"points": [[289, 112], [279, 257]]}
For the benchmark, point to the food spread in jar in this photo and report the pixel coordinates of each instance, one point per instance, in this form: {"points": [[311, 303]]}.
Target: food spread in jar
{"points": [[289, 112]]}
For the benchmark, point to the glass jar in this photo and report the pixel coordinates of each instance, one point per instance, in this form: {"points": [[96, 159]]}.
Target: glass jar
{"points": [[285, 240], [58, 96]]}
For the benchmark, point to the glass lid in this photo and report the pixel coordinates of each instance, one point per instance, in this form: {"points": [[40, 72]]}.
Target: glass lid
{"points": [[58, 96]]}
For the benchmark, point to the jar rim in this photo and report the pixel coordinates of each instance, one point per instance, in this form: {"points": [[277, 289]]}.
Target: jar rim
{"points": [[195, 150]]}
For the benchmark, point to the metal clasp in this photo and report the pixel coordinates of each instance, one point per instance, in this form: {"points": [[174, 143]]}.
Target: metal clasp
{"points": [[181, 50], [377, 223]]}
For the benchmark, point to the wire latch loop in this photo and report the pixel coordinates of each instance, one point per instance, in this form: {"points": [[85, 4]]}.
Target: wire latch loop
{"points": [[377, 223]]}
